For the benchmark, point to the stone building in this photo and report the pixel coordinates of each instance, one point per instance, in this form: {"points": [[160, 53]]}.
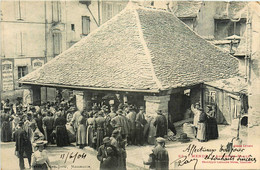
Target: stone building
{"points": [[34, 32], [144, 56]]}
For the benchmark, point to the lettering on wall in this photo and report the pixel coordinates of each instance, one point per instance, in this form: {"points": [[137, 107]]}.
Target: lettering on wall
{"points": [[37, 63], [7, 75]]}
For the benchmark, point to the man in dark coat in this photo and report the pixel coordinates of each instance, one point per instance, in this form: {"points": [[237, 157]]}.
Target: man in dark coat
{"points": [[48, 126], [22, 145], [131, 117], [161, 124], [103, 154], [123, 121], [140, 122], [159, 158], [100, 124]]}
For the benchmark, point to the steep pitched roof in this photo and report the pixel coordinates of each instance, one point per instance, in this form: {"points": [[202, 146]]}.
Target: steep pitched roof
{"points": [[140, 49]]}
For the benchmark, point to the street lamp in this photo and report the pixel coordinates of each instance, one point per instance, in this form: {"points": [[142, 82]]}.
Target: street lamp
{"points": [[234, 42]]}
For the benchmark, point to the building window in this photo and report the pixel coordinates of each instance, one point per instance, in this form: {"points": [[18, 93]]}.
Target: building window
{"points": [[72, 27], [56, 44], [85, 25], [210, 98], [225, 28], [56, 11], [22, 71]]}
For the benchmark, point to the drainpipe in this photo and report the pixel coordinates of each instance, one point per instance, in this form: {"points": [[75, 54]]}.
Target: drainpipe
{"points": [[98, 12], [46, 40]]}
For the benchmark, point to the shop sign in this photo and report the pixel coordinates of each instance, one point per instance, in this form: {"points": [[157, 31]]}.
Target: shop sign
{"points": [[37, 63], [7, 75]]}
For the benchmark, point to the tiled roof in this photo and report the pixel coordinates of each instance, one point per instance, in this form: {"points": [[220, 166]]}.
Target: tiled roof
{"points": [[187, 8], [233, 85], [139, 49]]}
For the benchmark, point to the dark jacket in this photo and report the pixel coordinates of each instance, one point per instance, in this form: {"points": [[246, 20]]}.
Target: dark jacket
{"points": [[161, 125], [22, 143], [161, 158]]}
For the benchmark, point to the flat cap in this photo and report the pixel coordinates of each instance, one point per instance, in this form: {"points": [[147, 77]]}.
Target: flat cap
{"points": [[160, 140]]}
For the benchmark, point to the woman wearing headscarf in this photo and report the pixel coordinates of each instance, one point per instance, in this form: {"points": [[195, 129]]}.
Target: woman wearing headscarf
{"points": [[62, 138]]}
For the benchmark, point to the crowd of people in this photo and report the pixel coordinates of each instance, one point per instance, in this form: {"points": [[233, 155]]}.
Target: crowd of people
{"points": [[61, 123]]}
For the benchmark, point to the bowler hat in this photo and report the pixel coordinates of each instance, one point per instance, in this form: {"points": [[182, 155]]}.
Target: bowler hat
{"points": [[106, 140], [184, 138]]}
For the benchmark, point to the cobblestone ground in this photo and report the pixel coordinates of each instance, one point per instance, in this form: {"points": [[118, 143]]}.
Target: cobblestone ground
{"points": [[64, 157]]}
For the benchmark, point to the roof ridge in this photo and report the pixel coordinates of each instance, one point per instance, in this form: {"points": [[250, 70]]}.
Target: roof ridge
{"points": [[146, 50]]}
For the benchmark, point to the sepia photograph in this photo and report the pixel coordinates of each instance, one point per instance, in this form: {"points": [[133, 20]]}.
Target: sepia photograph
{"points": [[129, 84]]}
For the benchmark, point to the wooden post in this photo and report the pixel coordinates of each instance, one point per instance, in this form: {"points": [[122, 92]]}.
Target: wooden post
{"points": [[36, 95]]}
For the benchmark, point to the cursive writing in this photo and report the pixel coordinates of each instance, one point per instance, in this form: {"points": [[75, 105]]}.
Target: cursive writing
{"points": [[184, 160]]}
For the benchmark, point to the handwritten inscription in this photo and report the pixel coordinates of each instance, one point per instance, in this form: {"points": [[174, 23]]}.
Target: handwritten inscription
{"points": [[233, 155], [72, 156]]}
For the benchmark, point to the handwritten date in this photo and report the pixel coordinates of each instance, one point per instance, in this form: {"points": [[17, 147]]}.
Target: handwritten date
{"points": [[73, 156]]}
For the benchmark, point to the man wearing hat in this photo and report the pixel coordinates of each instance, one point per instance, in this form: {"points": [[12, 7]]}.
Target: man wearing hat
{"points": [[48, 125], [159, 158], [131, 117], [100, 125], [23, 146], [139, 125], [102, 152], [123, 121], [161, 124]]}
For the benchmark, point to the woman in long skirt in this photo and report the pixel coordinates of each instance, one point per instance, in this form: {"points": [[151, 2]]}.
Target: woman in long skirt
{"points": [[212, 126], [90, 131], [201, 134], [6, 131], [62, 138], [81, 133]]}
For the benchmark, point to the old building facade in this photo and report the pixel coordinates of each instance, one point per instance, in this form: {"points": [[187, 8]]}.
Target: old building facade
{"points": [[33, 33]]}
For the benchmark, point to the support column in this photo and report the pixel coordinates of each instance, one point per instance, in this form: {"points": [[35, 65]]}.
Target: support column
{"points": [[79, 99], [154, 103], [87, 105], [36, 95]]}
